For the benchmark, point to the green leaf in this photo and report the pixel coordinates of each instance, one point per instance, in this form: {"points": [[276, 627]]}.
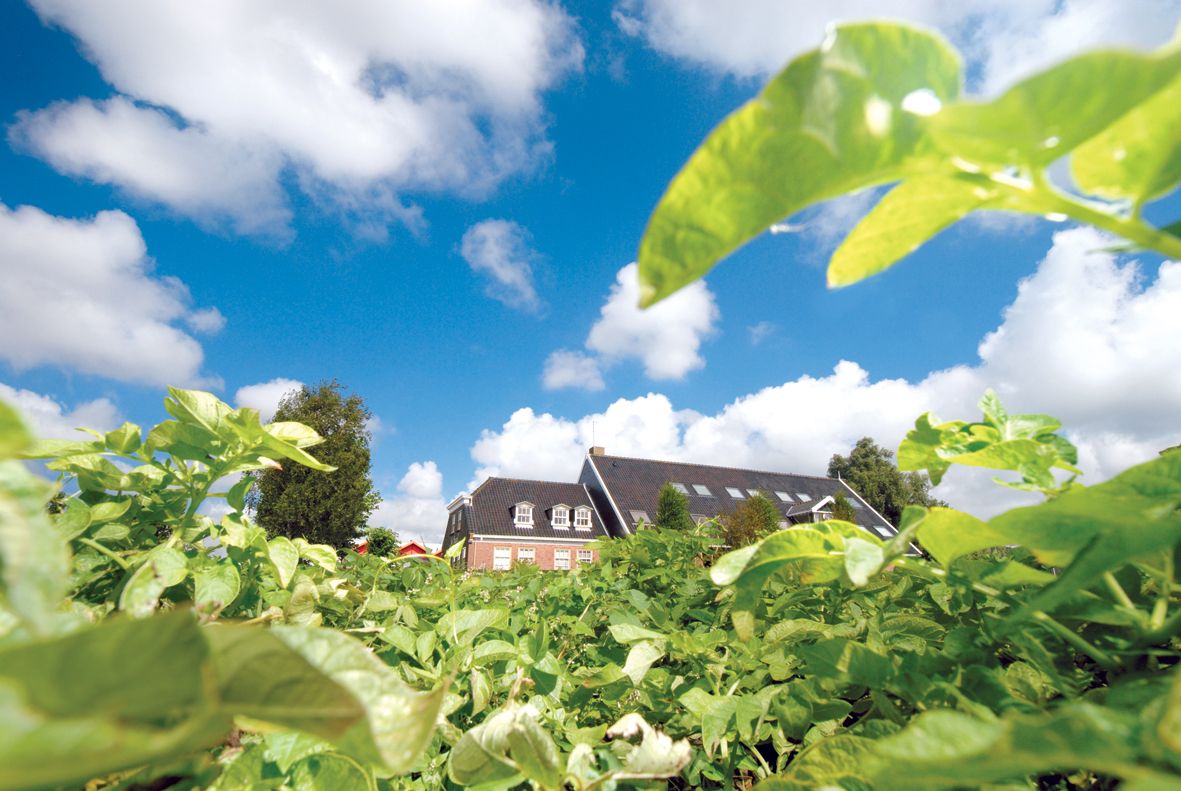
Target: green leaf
{"points": [[277, 448], [949, 535], [297, 434], [59, 448], [1045, 116], [903, 220], [164, 568], [322, 555], [34, 561], [125, 439], [863, 559], [325, 772], [201, 409], [464, 626], [1139, 156], [845, 659], [284, 556], [655, 756], [626, 633], [399, 721], [836, 762], [950, 748], [513, 733], [260, 677], [831, 122], [641, 658], [481, 691], [491, 651], [15, 432], [217, 585]]}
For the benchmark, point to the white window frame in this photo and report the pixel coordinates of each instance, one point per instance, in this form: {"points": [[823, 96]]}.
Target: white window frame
{"points": [[561, 518], [784, 496], [523, 515], [582, 515], [680, 487], [735, 492], [638, 515], [585, 556], [804, 497], [502, 558], [562, 559], [702, 490], [526, 555]]}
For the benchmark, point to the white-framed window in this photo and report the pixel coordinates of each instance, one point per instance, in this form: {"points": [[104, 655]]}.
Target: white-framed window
{"points": [[523, 516], [699, 519], [502, 558], [680, 487], [561, 517], [883, 531], [638, 515], [702, 490], [562, 559], [585, 556], [784, 496], [525, 554], [733, 492], [582, 519], [753, 492], [803, 497]]}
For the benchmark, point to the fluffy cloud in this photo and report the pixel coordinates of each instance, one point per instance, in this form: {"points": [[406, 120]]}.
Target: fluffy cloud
{"points": [[218, 102], [666, 337], [265, 396], [52, 420], [564, 368], [81, 294], [421, 511], [500, 249], [1085, 340], [1004, 39]]}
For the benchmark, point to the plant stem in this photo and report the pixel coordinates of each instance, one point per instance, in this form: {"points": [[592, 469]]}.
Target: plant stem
{"points": [[95, 545], [1107, 661]]}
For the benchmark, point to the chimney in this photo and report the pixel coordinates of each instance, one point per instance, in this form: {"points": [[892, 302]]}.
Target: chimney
{"points": [[598, 450]]}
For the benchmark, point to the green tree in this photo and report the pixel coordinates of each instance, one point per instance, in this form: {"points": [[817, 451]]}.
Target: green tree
{"points": [[871, 471], [330, 508], [842, 509], [755, 518], [382, 541], [672, 509]]}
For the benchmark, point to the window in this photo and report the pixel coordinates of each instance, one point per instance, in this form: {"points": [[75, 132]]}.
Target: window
{"points": [[753, 492], [561, 517], [585, 556], [702, 490], [803, 497], [700, 519], [680, 487], [562, 559], [855, 503], [524, 515], [582, 518], [525, 554], [638, 515], [736, 493], [502, 558], [784, 496], [783, 524], [883, 531]]}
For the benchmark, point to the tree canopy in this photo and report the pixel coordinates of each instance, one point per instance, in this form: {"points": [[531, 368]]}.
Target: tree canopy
{"points": [[672, 509], [330, 508], [842, 509], [755, 518], [870, 470], [382, 541]]}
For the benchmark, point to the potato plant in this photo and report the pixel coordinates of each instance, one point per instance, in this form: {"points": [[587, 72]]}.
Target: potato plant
{"points": [[145, 645]]}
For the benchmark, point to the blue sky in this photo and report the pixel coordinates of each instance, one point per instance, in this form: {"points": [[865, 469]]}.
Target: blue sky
{"points": [[303, 183]]}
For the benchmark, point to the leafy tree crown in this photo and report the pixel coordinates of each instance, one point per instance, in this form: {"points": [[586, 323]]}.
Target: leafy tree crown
{"points": [[672, 509]]}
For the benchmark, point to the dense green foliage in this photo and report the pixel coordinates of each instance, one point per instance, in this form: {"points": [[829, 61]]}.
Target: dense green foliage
{"points": [[333, 509], [672, 509], [381, 541], [754, 518], [881, 103], [869, 469], [842, 509]]}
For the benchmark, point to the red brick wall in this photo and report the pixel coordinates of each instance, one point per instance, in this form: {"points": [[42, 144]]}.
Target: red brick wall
{"points": [[480, 554]]}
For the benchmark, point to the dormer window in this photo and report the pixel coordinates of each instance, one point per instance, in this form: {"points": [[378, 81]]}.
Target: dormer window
{"points": [[582, 518], [561, 516], [523, 515]]}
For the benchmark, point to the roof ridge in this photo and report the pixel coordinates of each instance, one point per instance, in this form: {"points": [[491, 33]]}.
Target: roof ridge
{"points": [[529, 480], [720, 467]]}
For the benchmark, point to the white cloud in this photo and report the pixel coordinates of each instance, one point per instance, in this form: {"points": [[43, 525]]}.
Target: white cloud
{"points": [[564, 368], [208, 321], [500, 249], [52, 420], [666, 337], [219, 102], [1085, 340], [81, 294], [265, 396], [760, 331], [1003, 39], [419, 513]]}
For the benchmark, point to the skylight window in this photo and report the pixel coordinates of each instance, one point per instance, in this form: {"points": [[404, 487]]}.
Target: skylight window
{"points": [[737, 493], [638, 515], [753, 492], [803, 497], [784, 496], [702, 490], [883, 531], [680, 487]]}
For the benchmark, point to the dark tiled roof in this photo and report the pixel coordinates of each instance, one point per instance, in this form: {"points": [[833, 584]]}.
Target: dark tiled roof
{"points": [[492, 509], [803, 508], [633, 485]]}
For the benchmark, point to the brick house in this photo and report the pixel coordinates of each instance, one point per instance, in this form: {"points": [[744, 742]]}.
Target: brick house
{"points": [[506, 520], [625, 491]]}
